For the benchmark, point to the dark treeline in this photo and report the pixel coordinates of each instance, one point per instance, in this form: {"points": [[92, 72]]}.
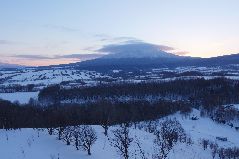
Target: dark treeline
{"points": [[199, 92], [105, 108], [100, 113]]}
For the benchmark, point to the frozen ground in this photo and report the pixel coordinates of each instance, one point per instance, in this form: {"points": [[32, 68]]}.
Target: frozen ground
{"points": [[25, 143], [44, 77], [21, 97]]}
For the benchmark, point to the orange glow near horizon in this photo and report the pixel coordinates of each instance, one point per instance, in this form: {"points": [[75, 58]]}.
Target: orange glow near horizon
{"points": [[28, 62]]}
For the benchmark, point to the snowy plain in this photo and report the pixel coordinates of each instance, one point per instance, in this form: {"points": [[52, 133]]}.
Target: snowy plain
{"points": [[21, 97], [46, 77]]}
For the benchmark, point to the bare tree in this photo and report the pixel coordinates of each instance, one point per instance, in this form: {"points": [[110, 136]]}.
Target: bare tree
{"points": [[121, 140], [87, 138], [67, 134], [50, 131], [105, 126], [214, 148], [32, 102], [141, 153], [205, 143], [105, 116], [76, 136], [169, 134], [60, 132]]}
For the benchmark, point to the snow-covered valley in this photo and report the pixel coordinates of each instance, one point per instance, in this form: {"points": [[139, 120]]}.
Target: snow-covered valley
{"points": [[124, 79], [74, 77], [207, 136]]}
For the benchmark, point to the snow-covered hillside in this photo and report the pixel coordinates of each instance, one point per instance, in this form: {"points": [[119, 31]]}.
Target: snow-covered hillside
{"points": [[29, 143], [46, 77], [74, 77]]}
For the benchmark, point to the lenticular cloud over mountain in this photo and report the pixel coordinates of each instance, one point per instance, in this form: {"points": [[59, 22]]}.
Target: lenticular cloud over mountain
{"points": [[136, 50]]}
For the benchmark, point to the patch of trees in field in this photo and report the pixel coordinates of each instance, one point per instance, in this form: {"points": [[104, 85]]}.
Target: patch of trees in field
{"points": [[106, 109], [80, 136], [199, 92], [223, 114], [220, 152], [17, 88], [167, 134]]}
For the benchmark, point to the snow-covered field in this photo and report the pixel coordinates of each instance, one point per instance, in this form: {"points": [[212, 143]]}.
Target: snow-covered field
{"points": [[26, 144], [46, 77], [21, 97]]}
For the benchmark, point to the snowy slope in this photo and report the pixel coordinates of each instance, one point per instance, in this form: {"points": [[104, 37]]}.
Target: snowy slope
{"points": [[26, 144], [205, 128]]}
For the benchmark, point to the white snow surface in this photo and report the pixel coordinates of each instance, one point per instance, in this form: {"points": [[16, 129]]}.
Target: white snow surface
{"points": [[21, 97], [205, 128], [236, 106], [25, 143], [46, 77]]}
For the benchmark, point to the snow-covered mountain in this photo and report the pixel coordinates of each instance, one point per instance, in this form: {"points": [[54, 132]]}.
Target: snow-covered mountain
{"points": [[147, 56]]}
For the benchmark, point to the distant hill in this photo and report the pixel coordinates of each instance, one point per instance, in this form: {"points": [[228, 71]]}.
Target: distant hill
{"points": [[142, 55], [147, 62], [9, 66]]}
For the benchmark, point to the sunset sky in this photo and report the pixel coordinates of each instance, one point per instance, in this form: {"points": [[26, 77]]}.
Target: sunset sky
{"points": [[43, 32]]}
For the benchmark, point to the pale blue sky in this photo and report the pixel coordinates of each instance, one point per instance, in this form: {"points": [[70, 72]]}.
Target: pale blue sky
{"points": [[202, 28]]}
